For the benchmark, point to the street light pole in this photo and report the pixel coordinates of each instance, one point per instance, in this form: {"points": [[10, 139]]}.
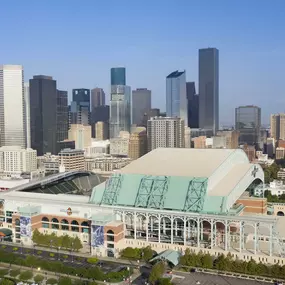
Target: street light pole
{"points": [[72, 243]]}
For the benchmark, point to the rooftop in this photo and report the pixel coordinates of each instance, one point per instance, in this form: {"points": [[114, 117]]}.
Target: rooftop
{"points": [[175, 74]]}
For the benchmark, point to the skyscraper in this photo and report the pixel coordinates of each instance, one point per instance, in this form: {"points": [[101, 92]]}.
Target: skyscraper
{"points": [[62, 115], [193, 105], [277, 126], [79, 111], [120, 115], [97, 98], [43, 110], [118, 76], [141, 105], [12, 106], [176, 101], [165, 132], [27, 114], [209, 89], [248, 123]]}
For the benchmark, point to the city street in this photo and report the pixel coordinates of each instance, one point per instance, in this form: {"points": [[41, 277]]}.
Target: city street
{"points": [[210, 279]]}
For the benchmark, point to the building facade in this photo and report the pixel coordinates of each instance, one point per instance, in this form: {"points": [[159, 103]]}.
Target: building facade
{"points": [[277, 126], [119, 146], [193, 105], [209, 89], [141, 105], [120, 110], [72, 159], [102, 131], [97, 98], [118, 76], [12, 128], [43, 108], [230, 138], [15, 160], [27, 114], [248, 124], [165, 132], [81, 135], [138, 143], [62, 115], [176, 100]]}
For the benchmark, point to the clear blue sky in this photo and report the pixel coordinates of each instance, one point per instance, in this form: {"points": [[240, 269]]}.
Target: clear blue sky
{"points": [[78, 41]]}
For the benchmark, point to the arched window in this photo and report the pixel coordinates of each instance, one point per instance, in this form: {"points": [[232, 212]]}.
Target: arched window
{"points": [[75, 226], [280, 213], [45, 222], [85, 227], [54, 223], [17, 222], [110, 236], [64, 225]]}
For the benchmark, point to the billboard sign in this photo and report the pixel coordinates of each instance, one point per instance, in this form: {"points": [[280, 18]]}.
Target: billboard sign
{"points": [[25, 226], [97, 236]]}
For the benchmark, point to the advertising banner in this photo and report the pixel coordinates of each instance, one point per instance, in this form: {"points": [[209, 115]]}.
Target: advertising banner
{"points": [[97, 236], [25, 227]]}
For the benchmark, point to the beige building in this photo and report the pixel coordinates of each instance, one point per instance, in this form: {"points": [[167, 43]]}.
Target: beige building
{"points": [[72, 159], [138, 143], [120, 146], [105, 164], [16, 160], [165, 132], [230, 138], [102, 130], [81, 134], [280, 153], [277, 125], [199, 142]]}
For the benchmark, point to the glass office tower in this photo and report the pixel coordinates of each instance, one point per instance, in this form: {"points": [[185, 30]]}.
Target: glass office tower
{"points": [[248, 123], [176, 99], [120, 106], [118, 76], [209, 89]]}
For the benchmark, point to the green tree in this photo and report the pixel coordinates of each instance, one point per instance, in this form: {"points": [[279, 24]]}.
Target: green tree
{"points": [[15, 272], [66, 242], [3, 272], [164, 281], [64, 281], [36, 236], [38, 278], [77, 244], [156, 272], [207, 261], [5, 281], [26, 275], [146, 253], [51, 281]]}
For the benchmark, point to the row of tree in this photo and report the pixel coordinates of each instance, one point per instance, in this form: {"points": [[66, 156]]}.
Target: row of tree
{"points": [[64, 242], [145, 253], [228, 263], [88, 271]]}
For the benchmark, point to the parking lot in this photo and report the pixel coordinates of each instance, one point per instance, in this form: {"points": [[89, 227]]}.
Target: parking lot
{"points": [[209, 279]]}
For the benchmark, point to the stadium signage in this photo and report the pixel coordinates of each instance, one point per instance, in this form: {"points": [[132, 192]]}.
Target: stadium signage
{"points": [[254, 171], [69, 211]]}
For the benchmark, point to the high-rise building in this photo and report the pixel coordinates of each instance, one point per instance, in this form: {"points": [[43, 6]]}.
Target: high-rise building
{"points": [[79, 110], [165, 132], [62, 115], [118, 76], [12, 106], [99, 114], [97, 98], [248, 123], [120, 117], [27, 114], [230, 138], [277, 126], [154, 112], [141, 105], [209, 89], [176, 100], [102, 130], [138, 143], [193, 105], [72, 159], [43, 111], [81, 134]]}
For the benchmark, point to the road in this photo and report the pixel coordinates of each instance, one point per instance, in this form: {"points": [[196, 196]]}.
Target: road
{"points": [[210, 279]]}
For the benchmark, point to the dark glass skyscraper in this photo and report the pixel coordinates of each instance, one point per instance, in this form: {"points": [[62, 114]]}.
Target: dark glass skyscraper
{"points": [[79, 111], [118, 76], [209, 89], [193, 105], [62, 115], [43, 110], [248, 123]]}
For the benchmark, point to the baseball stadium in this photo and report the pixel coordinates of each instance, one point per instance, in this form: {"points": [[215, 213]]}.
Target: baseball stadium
{"points": [[169, 199]]}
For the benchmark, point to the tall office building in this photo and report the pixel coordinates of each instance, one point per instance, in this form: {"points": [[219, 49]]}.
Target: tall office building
{"points": [[27, 114], [193, 105], [165, 132], [118, 76], [81, 135], [138, 143], [248, 123], [176, 100], [99, 114], [141, 105], [43, 110], [62, 115], [102, 131], [277, 126], [209, 89], [79, 110], [120, 105], [97, 98], [12, 106]]}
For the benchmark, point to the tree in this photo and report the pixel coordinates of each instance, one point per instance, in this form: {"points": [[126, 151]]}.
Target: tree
{"points": [[147, 253], [15, 272], [26, 275], [164, 281], [64, 281], [77, 244], [156, 272], [38, 278], [5, 281], [51, 281], [207, 261], [66, 242], [36, 236]]}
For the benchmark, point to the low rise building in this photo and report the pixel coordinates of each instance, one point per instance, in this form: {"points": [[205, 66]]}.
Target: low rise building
{"points": [[120, 146], [280, 153], [72, 159], [98, 148], [49, 162], [137, 143]]}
